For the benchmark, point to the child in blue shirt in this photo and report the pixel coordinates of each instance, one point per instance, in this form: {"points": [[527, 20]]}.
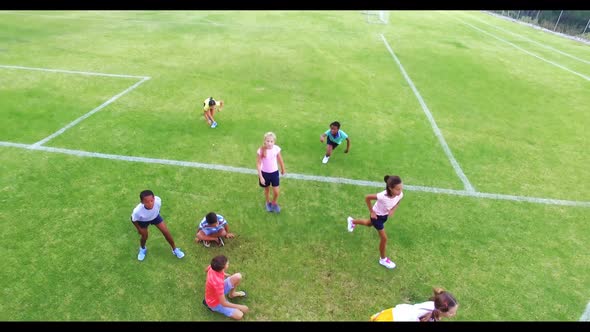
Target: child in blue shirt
{"points": [[213, 227], [334, 136]]}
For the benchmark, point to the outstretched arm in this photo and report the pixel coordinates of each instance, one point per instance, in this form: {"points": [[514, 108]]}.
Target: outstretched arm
{"points": [[322, 137]]}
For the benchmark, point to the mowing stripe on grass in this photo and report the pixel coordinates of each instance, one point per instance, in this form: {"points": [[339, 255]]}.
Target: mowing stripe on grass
{"points": [[304, 177], [72, 72], [522, 49], [532, 41], [435, 128], [78, 120]]}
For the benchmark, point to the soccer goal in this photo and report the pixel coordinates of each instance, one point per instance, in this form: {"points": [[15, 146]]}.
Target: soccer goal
{"points": [[377, 16]]}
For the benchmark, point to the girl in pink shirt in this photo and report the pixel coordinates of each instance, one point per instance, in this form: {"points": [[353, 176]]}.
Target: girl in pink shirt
{"points": [[268, 170], [387, 202]]}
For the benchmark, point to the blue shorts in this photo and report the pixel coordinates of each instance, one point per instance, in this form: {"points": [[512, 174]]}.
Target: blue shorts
{"points": [[270, 179], [227, 311], [378, 223], [333, 144], [145, 224]]}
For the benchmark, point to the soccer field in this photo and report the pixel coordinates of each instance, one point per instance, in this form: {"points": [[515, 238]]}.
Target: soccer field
{"points": [[485, 121]]}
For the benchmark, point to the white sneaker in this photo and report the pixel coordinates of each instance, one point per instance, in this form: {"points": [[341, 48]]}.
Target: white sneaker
{"points": [[350, 224], [141, 254], [178, 253], [325, 160], [387, 263]]}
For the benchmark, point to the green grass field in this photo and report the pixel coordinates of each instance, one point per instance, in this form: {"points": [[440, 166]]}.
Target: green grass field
{"points": [[516, 248]]}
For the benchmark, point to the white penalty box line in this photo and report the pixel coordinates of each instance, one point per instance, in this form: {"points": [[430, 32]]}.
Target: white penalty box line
{"points": [[304, 177], [83, 117], [437, 132]]}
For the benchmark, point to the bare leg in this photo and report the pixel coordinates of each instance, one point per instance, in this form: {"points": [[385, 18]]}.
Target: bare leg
{"points": [[144, 236], [162, 227], [328, 150], [267, 194], [365, 222], [275, 191], [235, 281], [382, 243]]}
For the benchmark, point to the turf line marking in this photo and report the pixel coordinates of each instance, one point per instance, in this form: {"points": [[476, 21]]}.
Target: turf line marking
{"points": [[522, 49], [532, 41], [71, 71], [78, 120], [303, 177], [437, 132]]}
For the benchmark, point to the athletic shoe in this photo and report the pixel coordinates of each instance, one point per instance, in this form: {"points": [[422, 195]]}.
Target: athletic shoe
{"points": [[276, 208], [325, 160], [350, 224], [178, 253], [268, 207], [220, 242], [141, 254], [206, 243], [214, 125], [387, 263]]}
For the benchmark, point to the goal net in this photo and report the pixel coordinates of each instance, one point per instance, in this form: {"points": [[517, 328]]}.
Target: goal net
{"points": [[377, 16]]}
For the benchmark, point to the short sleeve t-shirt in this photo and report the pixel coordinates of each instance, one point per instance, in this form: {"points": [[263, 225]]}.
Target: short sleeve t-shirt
{"points": [[213, 287], [140, 213], [203, 225], [411, 312], [339, 138], [206, 104], [384, 203], [269, 163]]}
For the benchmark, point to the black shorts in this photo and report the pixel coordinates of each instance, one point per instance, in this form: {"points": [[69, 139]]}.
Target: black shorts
{"points": [[270, 179], [378, 223], [333, 144], [145, 224]]}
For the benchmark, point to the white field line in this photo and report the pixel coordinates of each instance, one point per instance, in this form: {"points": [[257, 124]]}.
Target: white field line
{"points": [[586, 314], [303, 177], [78, 120], [522, 49], [532, 41], [71, 71], [437, 132]]}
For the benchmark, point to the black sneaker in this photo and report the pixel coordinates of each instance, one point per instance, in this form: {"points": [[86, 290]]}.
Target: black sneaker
{"points": [[205, 304]]}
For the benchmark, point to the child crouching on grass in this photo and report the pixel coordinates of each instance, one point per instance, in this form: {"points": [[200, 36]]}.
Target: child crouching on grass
{"points": [[213, 227]]}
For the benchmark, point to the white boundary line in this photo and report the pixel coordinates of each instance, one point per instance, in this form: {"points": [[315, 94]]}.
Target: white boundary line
{"points": [[78, 120], [586, 314], [71, 71], [532, 41], [303, 177], [437, 132], [522, 49], [103, 105]]}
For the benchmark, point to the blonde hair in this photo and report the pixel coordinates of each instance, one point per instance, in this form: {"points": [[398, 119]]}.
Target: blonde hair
{"points": [[263, 149]]}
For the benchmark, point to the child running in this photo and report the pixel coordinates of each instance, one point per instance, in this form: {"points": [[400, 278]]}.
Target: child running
{"points": [[217, 286], [335, 137], [268, 170], [148, 212], [441, 305], [386, 203], [213, 227]]}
